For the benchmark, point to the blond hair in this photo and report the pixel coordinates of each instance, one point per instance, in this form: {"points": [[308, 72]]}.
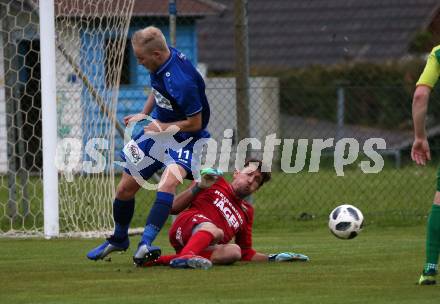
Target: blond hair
{"points": [[150, 39]]}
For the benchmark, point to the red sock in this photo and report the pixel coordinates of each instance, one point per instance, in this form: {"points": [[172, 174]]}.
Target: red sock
{"points": [[163, 260], [206, 254], [197, 243]]}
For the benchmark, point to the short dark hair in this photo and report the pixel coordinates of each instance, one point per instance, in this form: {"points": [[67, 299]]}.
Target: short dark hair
{"points": [[266, 176]]}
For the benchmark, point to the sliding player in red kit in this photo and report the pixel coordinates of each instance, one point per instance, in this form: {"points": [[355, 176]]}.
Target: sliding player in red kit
{"points": [[218, 212]]}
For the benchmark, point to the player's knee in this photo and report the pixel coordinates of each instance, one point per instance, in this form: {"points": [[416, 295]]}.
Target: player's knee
{"points": [[234, 252], [218, 234], [170, 180], [228, 254], [169, 185], [125, 192]]}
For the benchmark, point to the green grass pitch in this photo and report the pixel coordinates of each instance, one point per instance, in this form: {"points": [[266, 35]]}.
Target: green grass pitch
{"points": [[380, 266], [392, 197]]}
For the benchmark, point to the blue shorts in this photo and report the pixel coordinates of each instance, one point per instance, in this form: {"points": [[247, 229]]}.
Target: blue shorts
{"points": [[144, 155]]}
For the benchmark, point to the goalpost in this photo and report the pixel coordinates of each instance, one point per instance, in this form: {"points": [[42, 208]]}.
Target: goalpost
{"points": [[49, 114], [60, 66]]}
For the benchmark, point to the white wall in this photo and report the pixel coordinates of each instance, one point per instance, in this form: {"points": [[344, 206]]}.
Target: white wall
{"points": [[68, 96], [68, 92], [263, 106], [264, 113]]}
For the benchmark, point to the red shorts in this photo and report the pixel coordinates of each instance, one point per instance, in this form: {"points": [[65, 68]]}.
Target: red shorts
{"points": [[183, 226]]}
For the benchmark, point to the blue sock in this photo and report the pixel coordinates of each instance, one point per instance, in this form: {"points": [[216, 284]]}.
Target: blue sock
{"points": [[158, 215], [122, 214]]}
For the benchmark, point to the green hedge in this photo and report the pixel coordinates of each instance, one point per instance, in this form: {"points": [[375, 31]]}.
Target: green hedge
{"points": [[375, 94]]}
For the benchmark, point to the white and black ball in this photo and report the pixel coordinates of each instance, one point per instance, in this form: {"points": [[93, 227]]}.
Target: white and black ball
{"points": [[345, 222]]}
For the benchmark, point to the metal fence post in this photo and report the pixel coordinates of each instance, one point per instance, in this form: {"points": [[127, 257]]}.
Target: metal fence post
{"points": [[241, 67]]}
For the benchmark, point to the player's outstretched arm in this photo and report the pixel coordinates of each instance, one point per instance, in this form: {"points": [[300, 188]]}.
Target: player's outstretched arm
{"points": [[275, 257], [208, 177], [287, 257], [190, 124], [183, 199], [148, 107], [260, 257]]}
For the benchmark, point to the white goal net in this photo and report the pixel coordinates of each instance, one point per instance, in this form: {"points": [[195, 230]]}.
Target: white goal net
{"points": [[90, 43]]}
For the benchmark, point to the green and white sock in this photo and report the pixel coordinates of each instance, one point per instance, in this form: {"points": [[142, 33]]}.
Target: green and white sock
{"points": [[433, 240], [430, 268]]}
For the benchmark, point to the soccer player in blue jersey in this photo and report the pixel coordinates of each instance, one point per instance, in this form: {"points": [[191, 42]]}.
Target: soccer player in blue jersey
{"points": [[177, 102]]}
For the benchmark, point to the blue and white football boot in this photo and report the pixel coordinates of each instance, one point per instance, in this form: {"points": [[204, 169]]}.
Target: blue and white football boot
{"points": [[110, 245]]}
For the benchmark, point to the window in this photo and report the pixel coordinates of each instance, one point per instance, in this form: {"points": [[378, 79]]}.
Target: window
{"points": [[111, 54]]}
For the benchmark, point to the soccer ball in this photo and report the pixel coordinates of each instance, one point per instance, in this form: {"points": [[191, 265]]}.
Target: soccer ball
{"points": [[345, 222]]}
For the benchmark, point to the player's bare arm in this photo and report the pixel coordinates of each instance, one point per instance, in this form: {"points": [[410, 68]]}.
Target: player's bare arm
{"points": [[420, 152], [279, 257], [260, 257], [148, 107], [183, 199], [190, 124], [208, 177]]}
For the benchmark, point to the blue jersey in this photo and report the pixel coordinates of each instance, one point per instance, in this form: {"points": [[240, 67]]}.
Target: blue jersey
{"points": [[179, 92]]}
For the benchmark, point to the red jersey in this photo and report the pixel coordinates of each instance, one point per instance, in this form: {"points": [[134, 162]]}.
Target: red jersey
{"points": [[228, 212]]}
